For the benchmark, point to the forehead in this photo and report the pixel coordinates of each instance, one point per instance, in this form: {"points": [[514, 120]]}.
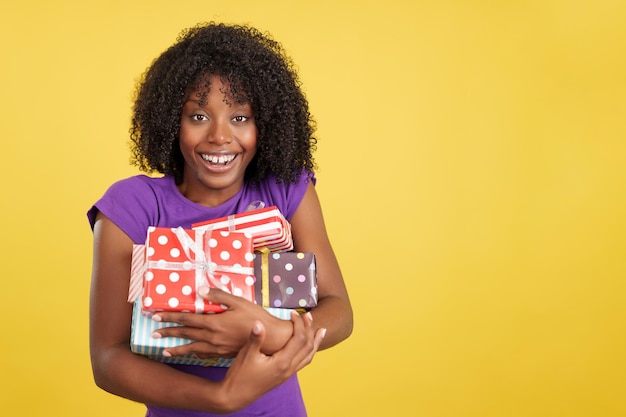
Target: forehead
{"points": [[232, 90]]}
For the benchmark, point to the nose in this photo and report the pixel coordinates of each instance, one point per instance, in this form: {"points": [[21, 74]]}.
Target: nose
{"points": [[219, 132]]}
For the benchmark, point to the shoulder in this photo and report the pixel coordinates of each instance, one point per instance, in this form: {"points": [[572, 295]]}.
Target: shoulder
{"points": [[132, 203], [140, 183], [284, 195], [139, 190]]}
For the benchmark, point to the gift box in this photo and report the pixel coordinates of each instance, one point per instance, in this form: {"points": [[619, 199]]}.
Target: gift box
{"points": [[285, 279], [137, 269], [179, 261], [267, 226], [142, 342]]}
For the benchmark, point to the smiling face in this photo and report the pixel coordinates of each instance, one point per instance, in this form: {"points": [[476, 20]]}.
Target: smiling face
{"points": [[218, 138]]}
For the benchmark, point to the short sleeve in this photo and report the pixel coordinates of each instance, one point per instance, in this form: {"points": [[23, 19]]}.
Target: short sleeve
{"points": [[288, 196], [131, 205]]}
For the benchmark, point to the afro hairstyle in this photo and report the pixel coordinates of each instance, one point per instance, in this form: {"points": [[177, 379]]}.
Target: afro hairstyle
{"points": [[257, 70]]}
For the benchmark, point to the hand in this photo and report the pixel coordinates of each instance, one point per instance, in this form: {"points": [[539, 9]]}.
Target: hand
{"points": [[223, 334], [253, 373]]}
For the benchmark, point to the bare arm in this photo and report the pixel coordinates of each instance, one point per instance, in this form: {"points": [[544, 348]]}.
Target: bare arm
{"points": [[334, 311], [117, 370]]}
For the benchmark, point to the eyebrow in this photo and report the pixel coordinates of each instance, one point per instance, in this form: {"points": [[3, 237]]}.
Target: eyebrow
{"points": [[199, 102]]}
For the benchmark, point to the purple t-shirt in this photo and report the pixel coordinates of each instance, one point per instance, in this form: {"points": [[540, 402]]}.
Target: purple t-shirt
{"points": [[138, 202]]}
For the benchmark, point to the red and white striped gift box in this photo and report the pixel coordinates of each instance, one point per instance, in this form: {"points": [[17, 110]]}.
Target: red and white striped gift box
{"points": [[138, 267], [267, 226]]}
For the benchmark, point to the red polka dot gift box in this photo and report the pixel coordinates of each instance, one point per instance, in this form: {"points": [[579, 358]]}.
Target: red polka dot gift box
{"points": [[285, 279], [178, 261], [267, 226]]}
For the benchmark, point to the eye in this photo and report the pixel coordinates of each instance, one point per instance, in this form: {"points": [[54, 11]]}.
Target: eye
{"points": [[240, 119], [198, 117]]}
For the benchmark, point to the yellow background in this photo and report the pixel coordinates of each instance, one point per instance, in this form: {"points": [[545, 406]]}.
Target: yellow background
{"points": [[471, 159]]}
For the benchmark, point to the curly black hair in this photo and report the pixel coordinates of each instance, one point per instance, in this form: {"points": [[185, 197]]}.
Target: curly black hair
{"points": [[257, 70]]}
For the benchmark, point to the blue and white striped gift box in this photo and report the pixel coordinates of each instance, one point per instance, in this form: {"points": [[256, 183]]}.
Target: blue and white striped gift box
{"points": [[142, 342]]}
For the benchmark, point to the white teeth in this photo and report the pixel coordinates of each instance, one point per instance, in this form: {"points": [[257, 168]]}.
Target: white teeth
{"points": [[218, 159]]}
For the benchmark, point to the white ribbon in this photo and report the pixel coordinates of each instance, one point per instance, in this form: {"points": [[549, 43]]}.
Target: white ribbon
{"points": [[201, 262]]}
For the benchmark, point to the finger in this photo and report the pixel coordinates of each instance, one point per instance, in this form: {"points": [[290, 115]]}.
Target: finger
{"points": [[184, 319], [319, 336], [214, 295], [217, 296], [193, 348], [250, 373], [200, 349], [301, 343], [255, 341], [201, 331]]}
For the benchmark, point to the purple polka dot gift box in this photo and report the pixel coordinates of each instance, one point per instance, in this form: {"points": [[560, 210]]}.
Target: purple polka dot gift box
{"points": [[267, 226], [177, 261], [285, 279]]}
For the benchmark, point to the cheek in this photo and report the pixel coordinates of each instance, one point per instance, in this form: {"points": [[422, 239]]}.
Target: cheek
{"points": [[249, 140], [187, 151], [183, 145], [186, 139]]}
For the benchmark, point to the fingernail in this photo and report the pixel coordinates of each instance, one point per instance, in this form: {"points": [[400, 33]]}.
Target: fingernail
{"points": [[203, 291], [309, 315], [323, 333], [156, 317], [166, 354], [156, 335]]}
